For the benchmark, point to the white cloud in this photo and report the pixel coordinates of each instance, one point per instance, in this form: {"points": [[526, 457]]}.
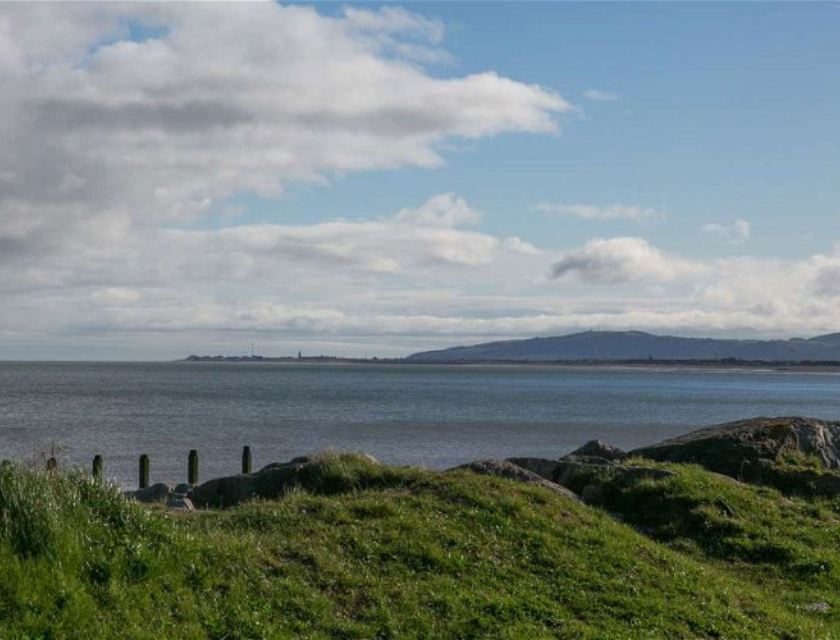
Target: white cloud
{"points": [[229, 98], [405, 34], [444, 210], [111, 149], [518, 245], [619, 261], [395, 20], [827, 281], [609, 212], [600, 96], [736, 233]]}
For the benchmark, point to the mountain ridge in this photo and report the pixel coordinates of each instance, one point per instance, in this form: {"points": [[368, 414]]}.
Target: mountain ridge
{"points": [[639, 345]]}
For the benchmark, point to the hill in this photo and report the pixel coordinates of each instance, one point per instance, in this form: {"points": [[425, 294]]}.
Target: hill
{"points": [[365, 550], [638, 345]]}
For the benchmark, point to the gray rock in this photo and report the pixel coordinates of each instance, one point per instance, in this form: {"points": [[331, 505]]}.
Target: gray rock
{"points": [[511, 471], [576, 475], [183, 489], [598, 449], [744, 448], [158, 492], [540, 466], [270, 482], [180, 502]]}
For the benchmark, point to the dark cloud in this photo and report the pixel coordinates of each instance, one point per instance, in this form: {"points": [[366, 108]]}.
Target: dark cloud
{"points": [[67, 116], [827, 281]]}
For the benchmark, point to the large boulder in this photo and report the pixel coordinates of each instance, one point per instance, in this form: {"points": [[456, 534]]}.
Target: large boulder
{"points": [[583, 475], [277, 479], [598, 449], [593, 452], [541, 466], [577, 476], [271, 481], [746, 448], [159, 492], [511, 471]]}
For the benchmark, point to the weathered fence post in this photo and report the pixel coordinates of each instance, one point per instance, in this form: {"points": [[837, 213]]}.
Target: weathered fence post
{"points": [[144, 471], [246, 460], [97, 467], [192, 467]]}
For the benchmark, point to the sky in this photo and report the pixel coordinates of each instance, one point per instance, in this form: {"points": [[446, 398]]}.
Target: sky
{"points": [[378, 179]]}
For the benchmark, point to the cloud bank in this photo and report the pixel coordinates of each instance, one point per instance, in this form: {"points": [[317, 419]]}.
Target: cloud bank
{"points": [[129, 131]]}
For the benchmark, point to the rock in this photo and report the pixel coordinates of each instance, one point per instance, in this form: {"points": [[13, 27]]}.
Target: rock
{"points": [[576, 475], [598, 449], [746, 448], [818, 606], [270, 482], [183, 488], [540, 466], [180, 503], [158, 492], [511, 471]]}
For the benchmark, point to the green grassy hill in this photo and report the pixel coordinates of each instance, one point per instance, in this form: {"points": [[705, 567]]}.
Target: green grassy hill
{"points": [[368, 550]]}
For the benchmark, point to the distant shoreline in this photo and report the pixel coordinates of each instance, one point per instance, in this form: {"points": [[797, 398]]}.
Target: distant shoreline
{"points": [[645, 364]]}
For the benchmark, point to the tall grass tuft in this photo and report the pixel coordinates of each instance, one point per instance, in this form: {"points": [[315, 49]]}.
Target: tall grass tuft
{"points": [[47, 514], [28, 510]]}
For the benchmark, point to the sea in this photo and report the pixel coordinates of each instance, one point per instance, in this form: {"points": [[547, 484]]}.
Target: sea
{"points": [[424, 415]]}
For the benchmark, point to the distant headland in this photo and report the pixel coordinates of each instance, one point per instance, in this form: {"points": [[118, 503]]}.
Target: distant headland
{"points": [[602, 348]]}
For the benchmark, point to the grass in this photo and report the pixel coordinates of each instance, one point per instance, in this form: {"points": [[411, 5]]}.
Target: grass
{"points": [[361, 550]]}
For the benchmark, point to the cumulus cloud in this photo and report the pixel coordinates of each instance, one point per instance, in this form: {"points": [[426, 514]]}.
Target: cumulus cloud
{"points": [[444, 210], [736, 233], [609, 212], [113, 148], [226, 99], [619, 261]]}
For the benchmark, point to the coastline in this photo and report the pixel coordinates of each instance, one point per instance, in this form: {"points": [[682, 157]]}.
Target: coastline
{"points": [[710, 366]]}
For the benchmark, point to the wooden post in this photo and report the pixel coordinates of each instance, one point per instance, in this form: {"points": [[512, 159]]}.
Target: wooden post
{"points": [[97, 467], [246, 460], [144, 471], [192, 467]]}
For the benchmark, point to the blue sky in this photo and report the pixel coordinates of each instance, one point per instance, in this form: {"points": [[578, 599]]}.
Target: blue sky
{"points": [[723, 111], [379, 179]]}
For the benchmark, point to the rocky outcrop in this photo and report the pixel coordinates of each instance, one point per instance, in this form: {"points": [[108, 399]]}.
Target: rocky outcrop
{"points": [[577, 475], [271, 481], [275, 480], [745, 448], [159, 492], [598, 449], [584, 475], [541, 466], [511, 471]]}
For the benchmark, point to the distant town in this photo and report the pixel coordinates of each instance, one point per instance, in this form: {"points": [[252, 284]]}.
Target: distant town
{"points": [[604, 348], [258, 358]]}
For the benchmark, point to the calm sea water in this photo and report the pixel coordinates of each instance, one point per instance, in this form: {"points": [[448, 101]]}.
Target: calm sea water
{"points": [[436, 416]]}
